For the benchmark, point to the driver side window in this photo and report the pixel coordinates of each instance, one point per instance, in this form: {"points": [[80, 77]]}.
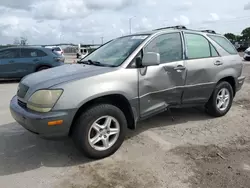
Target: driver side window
{"points": [[169, 46]]}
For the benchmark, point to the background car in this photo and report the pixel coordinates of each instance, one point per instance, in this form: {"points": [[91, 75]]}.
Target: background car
{"points": [[17, 62], [241, 47], [247, 54]]}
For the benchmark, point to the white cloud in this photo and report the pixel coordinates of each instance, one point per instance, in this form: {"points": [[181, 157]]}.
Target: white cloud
{"points": [[247, 6], [151, 2], [184, 5], [182, 20], [143, 25], [86, 20], [114, 26], [59, 9], [213, 17], [122, 31], [16, 4], [108, 4]]}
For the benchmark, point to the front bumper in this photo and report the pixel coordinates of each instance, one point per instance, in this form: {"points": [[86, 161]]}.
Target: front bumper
{"points": [[240, 82], [37, 123]]}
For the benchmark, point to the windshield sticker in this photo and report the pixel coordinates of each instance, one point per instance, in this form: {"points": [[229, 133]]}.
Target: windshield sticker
{"points": [[139, 37]]}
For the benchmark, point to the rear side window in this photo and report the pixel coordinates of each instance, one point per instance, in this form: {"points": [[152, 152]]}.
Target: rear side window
{"points": [[199, 47], [10, 53], [57, 49], [224, 43], [29, 53], [40, 53]]}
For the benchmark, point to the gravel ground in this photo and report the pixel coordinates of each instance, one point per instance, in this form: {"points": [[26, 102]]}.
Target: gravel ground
{"points": [[194, 150]]}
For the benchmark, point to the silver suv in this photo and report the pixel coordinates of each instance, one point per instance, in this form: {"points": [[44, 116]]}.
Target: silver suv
{"points": [[127, 80]]}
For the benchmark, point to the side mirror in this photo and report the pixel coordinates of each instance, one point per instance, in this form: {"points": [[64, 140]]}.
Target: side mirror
{"points": [[151, 59]]}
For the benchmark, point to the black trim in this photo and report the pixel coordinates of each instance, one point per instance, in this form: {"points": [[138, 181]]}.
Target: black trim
{"points": [[153, 112], [22, 104]]}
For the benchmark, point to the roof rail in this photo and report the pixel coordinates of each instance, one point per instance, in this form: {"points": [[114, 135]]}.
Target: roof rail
{"points": [[172, 27], [184, 27], [209, 31]]}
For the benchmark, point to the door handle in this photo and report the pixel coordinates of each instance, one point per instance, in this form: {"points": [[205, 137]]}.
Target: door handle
{"points": [[179, 68], [36, 60], [218, 63], [11, 61]]}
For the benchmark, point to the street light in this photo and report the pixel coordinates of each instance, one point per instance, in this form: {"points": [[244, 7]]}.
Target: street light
{"points": [[130, 24]]}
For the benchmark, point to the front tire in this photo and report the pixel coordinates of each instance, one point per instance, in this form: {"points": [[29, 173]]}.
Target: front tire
{"points": [[221, 100], [100, 131]]}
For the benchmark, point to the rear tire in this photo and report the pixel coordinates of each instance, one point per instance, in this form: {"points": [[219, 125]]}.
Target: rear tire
{"points": [[42, 68], [218, 105], [85, 134]]}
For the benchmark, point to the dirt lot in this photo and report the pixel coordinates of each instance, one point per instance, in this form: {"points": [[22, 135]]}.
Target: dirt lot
{"points": [[194, 151]]}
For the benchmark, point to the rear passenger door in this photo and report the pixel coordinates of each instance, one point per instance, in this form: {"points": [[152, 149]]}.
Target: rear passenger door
{"points": [[203, 64], [9, 59], [30, 60]]}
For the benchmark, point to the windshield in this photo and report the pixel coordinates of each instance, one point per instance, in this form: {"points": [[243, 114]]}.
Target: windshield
{"points": [[117, 51]]}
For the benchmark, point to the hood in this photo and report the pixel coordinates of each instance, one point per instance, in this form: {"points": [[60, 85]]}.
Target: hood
{"points": [[65, 73], [248, 49]]}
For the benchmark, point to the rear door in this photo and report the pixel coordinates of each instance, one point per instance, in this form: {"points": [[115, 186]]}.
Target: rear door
{"points": [[30, 59], [203, 63], [9, 59], [230, 56]]}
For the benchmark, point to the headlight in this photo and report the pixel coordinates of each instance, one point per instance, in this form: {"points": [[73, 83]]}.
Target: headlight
{"points": [[44, 100]]}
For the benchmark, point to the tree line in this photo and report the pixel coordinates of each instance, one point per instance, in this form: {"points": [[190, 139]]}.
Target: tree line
{"points": [[243, 37]]}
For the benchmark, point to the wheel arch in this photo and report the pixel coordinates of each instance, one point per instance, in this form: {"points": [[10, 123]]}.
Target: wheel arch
{"points": [[117, 100], [231, 81], [42, 65]]}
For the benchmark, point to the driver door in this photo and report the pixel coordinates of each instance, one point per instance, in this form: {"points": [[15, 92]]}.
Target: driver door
{"points": [[162, 85]]}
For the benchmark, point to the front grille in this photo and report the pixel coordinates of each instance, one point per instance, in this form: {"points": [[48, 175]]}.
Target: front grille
{"points": [[22, 104], [22, 90]]}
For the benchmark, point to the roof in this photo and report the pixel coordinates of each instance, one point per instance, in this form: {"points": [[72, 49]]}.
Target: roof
{"points": [[11, 47]]}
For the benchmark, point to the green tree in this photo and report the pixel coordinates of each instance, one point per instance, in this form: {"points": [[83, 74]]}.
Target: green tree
{"points": [[238, 38], [246, 34], [230, 36]]}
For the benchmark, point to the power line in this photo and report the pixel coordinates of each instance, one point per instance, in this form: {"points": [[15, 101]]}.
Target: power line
{"points": [[225, 21]]}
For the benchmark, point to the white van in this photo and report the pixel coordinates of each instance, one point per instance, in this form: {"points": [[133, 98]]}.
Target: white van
{"points": [[81, 52]]}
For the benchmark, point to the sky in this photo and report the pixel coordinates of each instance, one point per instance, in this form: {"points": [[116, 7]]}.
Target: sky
{"points": [[91, 21]]}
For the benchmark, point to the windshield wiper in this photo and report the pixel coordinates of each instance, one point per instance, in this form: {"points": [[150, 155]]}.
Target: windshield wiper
{"points": [[96, 63], [90, 62]]}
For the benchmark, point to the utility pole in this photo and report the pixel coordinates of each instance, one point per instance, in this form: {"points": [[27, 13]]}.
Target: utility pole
{"points": [[102, 39], [130, 27], [130, 24]]}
